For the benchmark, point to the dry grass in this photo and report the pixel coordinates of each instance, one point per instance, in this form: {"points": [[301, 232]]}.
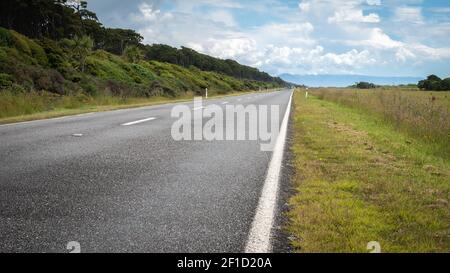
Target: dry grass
{"points": [[425, 115], [359, 180], [17, 107]]}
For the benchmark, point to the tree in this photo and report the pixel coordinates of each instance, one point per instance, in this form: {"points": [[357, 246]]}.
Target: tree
{"points": [[117, 39], [133, 53], [445, 84], [81, 48], [365, 85], [187, 57], [434, 83]]}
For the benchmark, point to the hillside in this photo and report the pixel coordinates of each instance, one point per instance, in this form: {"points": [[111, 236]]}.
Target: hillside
{"points": [[35, 73], [66, 19], [59, 51], [34, 65]]}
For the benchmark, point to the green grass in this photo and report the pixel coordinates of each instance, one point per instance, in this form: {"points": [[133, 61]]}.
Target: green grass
{"points": [[41, 105], [360, 179], [422, 115], [41, 78]]}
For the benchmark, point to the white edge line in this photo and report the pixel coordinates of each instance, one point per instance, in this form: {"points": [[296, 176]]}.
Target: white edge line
{"points": [[259, 238], [47, 119], [198, 108], [137, 121]]}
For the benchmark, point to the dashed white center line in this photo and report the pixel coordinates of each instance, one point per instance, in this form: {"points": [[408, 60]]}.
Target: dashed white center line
{"points": [[138, 121], [225, 102]]}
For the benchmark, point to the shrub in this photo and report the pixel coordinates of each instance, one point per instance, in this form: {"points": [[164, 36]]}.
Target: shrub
{"points": [[5, 80], [434, 83], [365, 85], [133, 54], [89, 86], [445, 84], [5, 37], [49, 80], [55, 54]]}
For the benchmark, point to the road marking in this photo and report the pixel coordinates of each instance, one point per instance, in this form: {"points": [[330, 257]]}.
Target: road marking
{"points": [[259, 239], [225, 102], [47, 119], [198, 108], [138, 121], [77, 135]]}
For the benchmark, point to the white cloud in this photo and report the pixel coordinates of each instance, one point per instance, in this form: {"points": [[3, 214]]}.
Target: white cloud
{"points": [[304, 6], [377, 39], [147, 14], [403, 54], [373, 2], [222, 16], [353, 15], [409, 15], [320, 36], [229, 48]]}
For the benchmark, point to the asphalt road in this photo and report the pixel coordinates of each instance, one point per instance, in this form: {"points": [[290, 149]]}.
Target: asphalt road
{"points": [[128, 188]]}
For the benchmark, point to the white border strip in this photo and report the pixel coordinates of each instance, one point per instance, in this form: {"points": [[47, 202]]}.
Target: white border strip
{"points": [[138, 121], [259, 239]]}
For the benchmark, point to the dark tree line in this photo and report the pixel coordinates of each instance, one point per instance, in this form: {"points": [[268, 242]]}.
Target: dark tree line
{"points": [[187, 57], [364, 85], [58, 19], [66, 19], [434, 83]]}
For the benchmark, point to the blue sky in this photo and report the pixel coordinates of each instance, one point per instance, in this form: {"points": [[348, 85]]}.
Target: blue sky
{"points": [[370, 37]]}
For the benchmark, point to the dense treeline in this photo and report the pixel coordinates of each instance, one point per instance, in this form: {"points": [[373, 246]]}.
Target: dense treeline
{"points": [[71, 66], [364, 85], [187, 57], [434, 83], [59, 19]]}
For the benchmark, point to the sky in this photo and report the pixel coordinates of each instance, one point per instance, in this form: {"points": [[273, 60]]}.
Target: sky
{"points": [[364, 37]]}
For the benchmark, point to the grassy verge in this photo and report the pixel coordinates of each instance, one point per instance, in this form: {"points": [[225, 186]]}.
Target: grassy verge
{"points": [[358, 179], [422, 115], [43, 105]]}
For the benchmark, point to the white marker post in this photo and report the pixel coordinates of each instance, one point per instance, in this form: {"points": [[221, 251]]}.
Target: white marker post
{"points": [[306, 95], [206, 93]]}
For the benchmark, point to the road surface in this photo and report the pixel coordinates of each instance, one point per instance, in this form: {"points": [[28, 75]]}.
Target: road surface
{"points": [[117, 182]]}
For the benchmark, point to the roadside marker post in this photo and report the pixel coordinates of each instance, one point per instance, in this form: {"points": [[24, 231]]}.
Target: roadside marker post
{"points": [[206, 93]]}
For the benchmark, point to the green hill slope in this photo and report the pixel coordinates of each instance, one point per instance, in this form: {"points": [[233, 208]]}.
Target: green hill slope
{"points": [[44, 67]]}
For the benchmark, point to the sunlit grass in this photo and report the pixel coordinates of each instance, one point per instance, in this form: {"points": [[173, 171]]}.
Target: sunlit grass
{"points": [[16, 107], [359, 179], [423, 115]]}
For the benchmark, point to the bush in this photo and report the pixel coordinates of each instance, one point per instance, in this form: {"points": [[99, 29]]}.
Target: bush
{"points": [[365, 85], [55, 55], [49, 80], [5, 37], [89, 87], [5, 80], [434, 83], [445, 84]]}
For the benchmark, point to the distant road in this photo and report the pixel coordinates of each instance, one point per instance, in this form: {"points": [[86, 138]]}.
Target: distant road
{"points": [[117, 182]]}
